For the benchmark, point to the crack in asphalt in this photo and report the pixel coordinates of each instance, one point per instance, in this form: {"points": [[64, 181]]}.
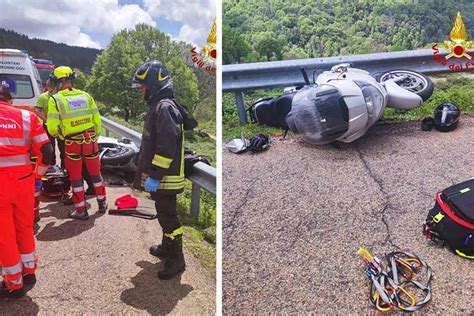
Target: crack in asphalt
{"points": [[238, 212], [45, 296], [370, 172], [52, 262]]}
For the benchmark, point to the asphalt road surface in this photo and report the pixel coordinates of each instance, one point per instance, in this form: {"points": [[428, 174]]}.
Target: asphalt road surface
{"points": [[102, 266], [295, 216]]}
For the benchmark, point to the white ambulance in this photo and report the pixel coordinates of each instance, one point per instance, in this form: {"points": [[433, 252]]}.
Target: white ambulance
{"points": [[19, 73]]}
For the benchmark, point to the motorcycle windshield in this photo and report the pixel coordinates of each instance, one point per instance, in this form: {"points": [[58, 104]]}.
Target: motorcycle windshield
{"points": [[319, 113]]}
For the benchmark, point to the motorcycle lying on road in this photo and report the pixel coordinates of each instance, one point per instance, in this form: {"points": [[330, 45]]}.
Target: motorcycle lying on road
{"points": [[342, 103]]}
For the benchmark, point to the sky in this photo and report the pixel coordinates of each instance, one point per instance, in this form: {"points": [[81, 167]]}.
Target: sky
{"points": [[91, 23]]}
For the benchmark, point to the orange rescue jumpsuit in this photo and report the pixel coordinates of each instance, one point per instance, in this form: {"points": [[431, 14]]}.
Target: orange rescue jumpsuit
{"points": [[20, 131]]}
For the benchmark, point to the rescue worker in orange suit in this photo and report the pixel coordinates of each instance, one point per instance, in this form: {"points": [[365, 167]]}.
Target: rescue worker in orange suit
{"points": [[161, 160], [20, 133], [73, 116]]}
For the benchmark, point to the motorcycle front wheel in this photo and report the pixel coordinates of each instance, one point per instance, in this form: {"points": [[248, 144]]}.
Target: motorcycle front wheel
{"points": [[116, 156], [410, 80]]}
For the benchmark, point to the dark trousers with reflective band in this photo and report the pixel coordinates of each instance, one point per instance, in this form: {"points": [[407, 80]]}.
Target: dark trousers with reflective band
{"points": [[52, 140], [167, 214], [17, 241], [76, 154], [62, 154]]}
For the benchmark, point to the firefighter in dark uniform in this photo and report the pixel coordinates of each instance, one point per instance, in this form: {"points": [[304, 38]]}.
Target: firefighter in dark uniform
{"points": [[161, 162]]}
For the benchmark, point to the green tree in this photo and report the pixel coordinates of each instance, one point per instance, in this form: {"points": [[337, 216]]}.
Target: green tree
{"points": [[269, 46], [234, 45], [294, 52], [114, 68], [82, 81]]}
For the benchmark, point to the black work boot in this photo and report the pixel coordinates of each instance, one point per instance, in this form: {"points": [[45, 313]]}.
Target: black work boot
{"points": [[82, 215], [67, 200], [102, 206], [6, 293], [174, 263], [29, 279], [162, 250]]}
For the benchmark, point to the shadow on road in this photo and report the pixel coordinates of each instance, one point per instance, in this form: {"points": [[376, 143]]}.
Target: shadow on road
{"points": [[156, 296], [23, 306], [66, 230]]}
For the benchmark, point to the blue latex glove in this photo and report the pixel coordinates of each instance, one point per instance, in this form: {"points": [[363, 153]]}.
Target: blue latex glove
{"points": [[38, 185], [151, 185]]}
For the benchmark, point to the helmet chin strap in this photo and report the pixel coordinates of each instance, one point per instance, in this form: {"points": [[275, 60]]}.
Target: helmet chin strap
{"points": [[147, 94]]}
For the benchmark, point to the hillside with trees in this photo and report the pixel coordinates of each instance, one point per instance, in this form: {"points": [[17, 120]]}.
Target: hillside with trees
{"points": [[112, 72], [60, 54], [278, 29]]}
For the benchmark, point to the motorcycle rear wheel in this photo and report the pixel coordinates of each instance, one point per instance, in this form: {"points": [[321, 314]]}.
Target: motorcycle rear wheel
{"points": [[414, 81]]}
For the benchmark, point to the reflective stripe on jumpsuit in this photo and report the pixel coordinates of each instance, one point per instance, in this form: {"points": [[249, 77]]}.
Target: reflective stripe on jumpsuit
{"points": [[17, 242]]}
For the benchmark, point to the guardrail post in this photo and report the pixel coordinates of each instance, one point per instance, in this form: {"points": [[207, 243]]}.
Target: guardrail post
{"points": [[239, 96], [107, 133], [195, 200]]}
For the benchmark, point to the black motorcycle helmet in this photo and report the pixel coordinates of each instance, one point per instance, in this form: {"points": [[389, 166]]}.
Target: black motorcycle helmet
{"points": [[154, 75], [446, 117]]}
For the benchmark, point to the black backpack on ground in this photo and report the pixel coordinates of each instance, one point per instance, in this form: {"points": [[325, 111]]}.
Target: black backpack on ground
{"points": [[55, 182], [272, 111], [451, 220]]}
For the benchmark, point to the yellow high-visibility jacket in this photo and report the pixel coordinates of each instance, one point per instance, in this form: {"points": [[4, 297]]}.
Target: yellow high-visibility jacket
{"points": [[72, 111]]}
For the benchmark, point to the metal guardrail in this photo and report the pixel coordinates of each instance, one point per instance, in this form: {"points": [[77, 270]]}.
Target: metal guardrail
{"points": [[116, 128], [202, 177], [240, 77]]}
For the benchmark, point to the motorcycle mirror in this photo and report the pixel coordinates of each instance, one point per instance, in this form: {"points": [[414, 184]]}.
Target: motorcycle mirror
{"points": [[341, 67], [305, 76]]}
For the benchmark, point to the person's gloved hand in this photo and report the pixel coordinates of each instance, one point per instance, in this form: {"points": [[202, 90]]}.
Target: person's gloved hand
{"points": [[151, 185], [38, 185]]}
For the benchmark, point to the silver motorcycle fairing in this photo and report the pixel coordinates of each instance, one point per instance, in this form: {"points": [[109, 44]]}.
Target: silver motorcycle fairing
{"points": [[341, 73], [364, 96], [358, 115], [319, 113], [400, 98]]}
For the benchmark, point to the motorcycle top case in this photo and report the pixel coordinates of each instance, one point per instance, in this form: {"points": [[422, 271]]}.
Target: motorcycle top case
{"points": [[452, 218], [272, 111]]}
